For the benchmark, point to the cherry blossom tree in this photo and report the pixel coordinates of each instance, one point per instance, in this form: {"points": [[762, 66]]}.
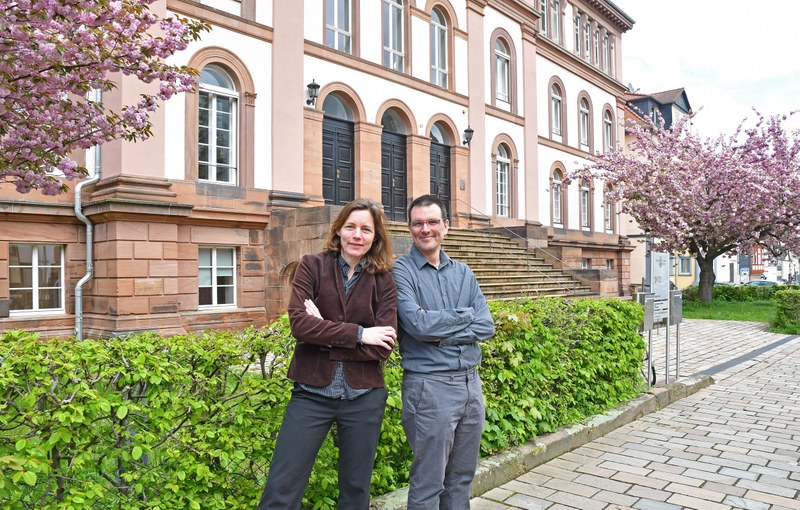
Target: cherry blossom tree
{"points": [[53, 55], [707, 197]]}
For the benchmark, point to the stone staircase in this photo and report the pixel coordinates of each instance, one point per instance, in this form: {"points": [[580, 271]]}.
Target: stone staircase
{"points": [[504, 269]]}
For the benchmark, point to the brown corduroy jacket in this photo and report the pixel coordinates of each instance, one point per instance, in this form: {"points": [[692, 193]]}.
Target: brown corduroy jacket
{"points": [[321, 344]]}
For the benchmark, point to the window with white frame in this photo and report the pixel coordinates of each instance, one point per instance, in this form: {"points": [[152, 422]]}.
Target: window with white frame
{"points": [[585, 205], [684, 265], [36, 277], [217, 127], [544, 20], [503, 176], [555, 101], [584, 125], [338, 23], [608, 216], [556, 28], [606, 56], [557, 192], [393, 54], [596, 47], [587, 29], [577, 33], [586, 263], [608, 131], [502, 74], [216, 276], [438, 48]]}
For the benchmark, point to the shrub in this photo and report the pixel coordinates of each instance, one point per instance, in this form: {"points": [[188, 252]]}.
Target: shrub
{"points": [[787, 314], [742, 293], [190, 421]]}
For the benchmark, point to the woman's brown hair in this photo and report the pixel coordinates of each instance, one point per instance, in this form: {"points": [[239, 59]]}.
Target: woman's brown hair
{"points": [[380, 256]]}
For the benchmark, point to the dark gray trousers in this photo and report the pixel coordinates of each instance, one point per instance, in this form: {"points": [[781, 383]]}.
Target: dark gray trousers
{"points": [[305, 424], [443, 417]]}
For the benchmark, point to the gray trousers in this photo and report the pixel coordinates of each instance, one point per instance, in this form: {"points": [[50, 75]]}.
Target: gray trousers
{"points": [[443, 417], [305, 424]]}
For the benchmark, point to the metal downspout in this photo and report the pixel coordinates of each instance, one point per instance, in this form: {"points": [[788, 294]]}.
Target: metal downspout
{"points": [[89, 245]]}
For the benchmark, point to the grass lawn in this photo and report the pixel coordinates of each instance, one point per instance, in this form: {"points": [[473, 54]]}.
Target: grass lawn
{"points": [[755, 311]]}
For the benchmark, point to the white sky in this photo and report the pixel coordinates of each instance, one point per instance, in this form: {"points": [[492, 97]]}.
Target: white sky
{"points": [[729, 56]]}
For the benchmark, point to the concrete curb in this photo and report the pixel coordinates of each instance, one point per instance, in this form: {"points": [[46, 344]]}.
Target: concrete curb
{"points": [[504, 467]]}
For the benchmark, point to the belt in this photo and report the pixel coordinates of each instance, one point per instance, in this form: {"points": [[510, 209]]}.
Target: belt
{"points": [[446, 375]]}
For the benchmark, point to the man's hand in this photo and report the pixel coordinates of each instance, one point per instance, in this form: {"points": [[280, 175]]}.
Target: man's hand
{"points": [[382, 336], [311, 309]]}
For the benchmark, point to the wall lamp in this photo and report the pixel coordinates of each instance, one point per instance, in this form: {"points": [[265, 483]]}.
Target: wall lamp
{"points": [[468, 135], [313, 92]]}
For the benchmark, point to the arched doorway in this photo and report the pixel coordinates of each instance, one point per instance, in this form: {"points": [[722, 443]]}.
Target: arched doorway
{"points": [[338, 152], [394, 188], [440, 165]]}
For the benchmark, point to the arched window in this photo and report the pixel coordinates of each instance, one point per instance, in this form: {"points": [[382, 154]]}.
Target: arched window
{"points": [[557, 198], [502, 60], [584, 124], [608, 130], [394, 35], [439, 48], [556, 111], [218, 112], [502, 65], [502, 177]]}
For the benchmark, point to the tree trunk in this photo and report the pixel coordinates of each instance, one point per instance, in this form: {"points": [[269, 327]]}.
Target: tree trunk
{"points": [[707, 278]]}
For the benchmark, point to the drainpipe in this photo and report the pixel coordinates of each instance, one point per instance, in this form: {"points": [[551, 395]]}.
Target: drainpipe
{"points": [[89, 237]]}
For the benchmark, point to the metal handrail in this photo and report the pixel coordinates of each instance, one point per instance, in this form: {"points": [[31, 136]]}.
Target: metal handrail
{"points": [[513, 234]]}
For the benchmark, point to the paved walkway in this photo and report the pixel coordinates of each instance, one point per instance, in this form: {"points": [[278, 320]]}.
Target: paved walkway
{"points": [[733, 445]]}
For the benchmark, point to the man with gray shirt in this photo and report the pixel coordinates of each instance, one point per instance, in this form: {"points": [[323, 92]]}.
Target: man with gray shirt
{"points": [[442, 315]]}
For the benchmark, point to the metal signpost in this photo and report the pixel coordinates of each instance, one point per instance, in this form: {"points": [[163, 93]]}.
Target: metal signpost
{"points": [[659, 284]]}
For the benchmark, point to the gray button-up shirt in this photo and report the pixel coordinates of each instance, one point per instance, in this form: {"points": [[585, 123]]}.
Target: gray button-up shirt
{"points": [[442, 314]]}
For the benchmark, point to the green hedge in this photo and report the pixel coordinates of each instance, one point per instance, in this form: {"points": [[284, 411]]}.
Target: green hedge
{"points": [[742, 293], [190, 421], [787, 313]]}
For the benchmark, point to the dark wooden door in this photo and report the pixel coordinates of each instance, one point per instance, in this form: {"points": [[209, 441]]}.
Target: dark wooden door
{"points": [[394, 176], [338, 174], [440, 174]]}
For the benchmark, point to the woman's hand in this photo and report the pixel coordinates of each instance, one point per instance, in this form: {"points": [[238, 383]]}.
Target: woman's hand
{"points": [[311, 309], [382, 336]]}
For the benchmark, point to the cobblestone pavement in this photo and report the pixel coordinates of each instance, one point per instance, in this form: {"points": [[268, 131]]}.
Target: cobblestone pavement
{"points": [[733, 445]]}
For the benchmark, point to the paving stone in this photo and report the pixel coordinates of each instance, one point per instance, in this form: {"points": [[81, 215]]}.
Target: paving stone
{"points": [[772, 499], [768, 488], [617, 500], [573, 500], [649, 504], [695, 492], [485, 504], [698, 504], [498, 494], [572, 487], [746, 504], [527, 502]]}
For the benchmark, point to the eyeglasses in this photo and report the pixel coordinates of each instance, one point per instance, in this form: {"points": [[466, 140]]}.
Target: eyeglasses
{"points": [[432, 224]]}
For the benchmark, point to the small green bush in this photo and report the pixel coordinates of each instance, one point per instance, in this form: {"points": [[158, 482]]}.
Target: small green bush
{"points": [[787, 315], [190, 421]]}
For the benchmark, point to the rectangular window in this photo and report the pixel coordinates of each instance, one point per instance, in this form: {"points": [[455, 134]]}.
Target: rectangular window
{"points": [[609, 263], [556, 101], [597, 47], [556, 29], [586, 263], [502, 188], [36, 277], [501, 78], [577, 34], [544, 19], [217, 137], [439, 54], [608, 217], [587, 29], [585, 208], [217, 276], [606, 56], [557, 203], [338, 34], [393, 55], [584, 127], [685, 265]]}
